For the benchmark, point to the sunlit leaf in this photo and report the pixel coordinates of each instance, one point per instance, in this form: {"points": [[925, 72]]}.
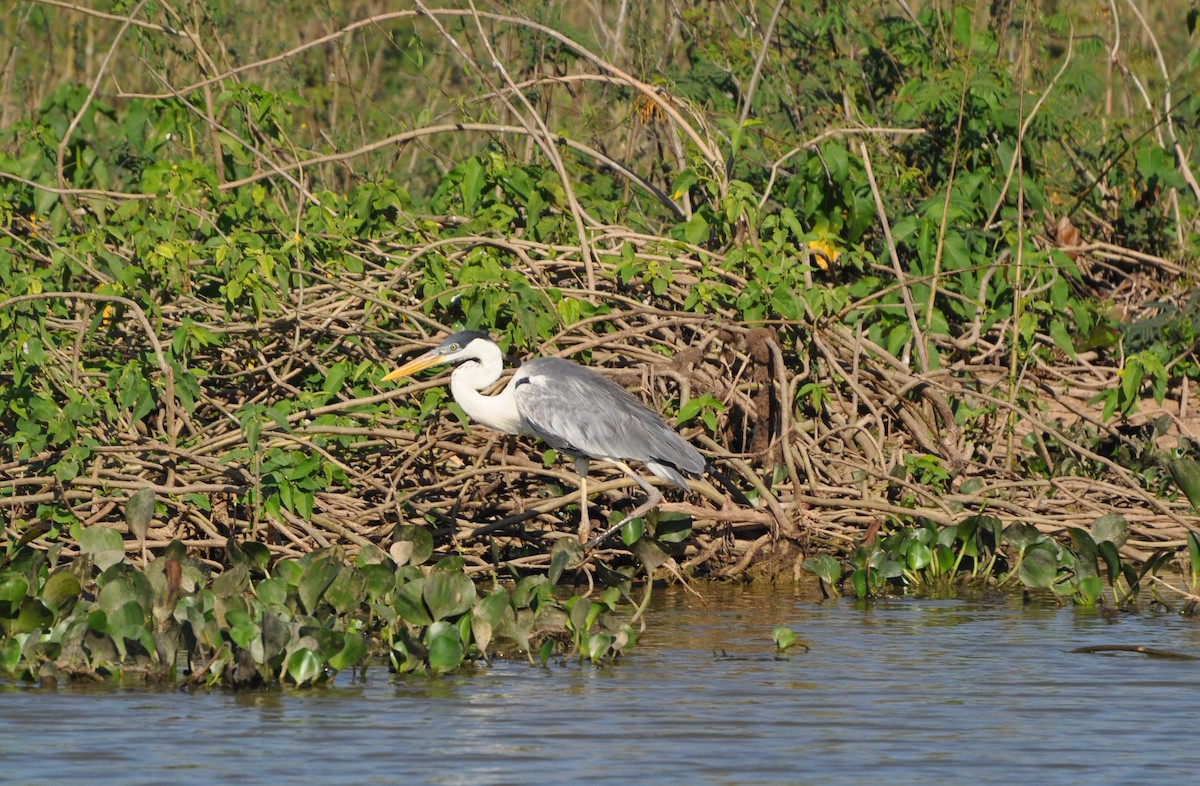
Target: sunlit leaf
{"points": [[304, 666], [139, 510], [103, 545], [448, 594], [1039, 567], [445, 647]]}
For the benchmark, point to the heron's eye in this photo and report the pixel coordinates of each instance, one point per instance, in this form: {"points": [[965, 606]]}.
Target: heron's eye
{"points": [[454, 347]]}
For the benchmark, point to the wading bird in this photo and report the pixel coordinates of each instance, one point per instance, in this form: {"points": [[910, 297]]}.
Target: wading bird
{"points": [[572, 408]]}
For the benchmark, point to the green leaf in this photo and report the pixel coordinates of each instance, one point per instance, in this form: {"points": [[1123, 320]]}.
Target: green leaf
{"points": [[445, 647], [564, 552], [139, 510], [33, 616], [14, 588], [785, 638], [320, 574], [304, 666], [411, 545], [1186, 474], [10, 655], [103, 544], [1090, 589], [598, 645], [354, 649], [1039, 567], [919, 556], [1193, 547], [61, 588], [632, 531], [651, 554], [1111, 527], [825, 567], [1062, 338], [1086, 553], [487, 615], [858, 580], [1111, 557], [1021, 535], [448, 594], [347, 590]]}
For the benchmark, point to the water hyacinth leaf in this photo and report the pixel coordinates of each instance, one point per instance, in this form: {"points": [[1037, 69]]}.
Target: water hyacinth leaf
{"points": [[419, 548], [673, 528], [487, 615], [60, 589], [303, 666], [401, 552], [139, 510], [1112, 528], [354, 649], [380, 579], [370, 554], [650, 553], [33, 616], [408, 603], [103, 545], [531, 590], [1111, 557], [257, 554], [348, 590], [825, 567], [13, 589], [1039, 567], [320, 574], [448, 594], [546, 651], [272, 591], [946, 536], [289, 571], [1087, 555], [232, 582], [1186, 474], [785, 638], [1090, 589], [598, 645], [445, 647], [919, 556], [564, 552], [10, 656], [632, 531], [1020, 535], [1193, 547]]}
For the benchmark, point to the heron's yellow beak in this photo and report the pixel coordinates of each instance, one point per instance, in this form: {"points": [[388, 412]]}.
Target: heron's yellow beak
{"points": [[431, 358]]}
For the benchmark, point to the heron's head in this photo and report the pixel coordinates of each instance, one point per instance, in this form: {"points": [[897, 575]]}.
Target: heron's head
{"points": [[455, 348]]}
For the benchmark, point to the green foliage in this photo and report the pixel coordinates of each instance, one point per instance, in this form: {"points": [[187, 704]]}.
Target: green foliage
{"points": [[258, 622]]}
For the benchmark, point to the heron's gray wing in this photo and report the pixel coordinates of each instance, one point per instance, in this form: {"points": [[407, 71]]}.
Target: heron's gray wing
{"points": [[579, 412]]}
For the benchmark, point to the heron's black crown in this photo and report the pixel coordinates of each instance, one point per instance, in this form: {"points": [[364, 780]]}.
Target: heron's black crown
{"points": [[464, 337]]}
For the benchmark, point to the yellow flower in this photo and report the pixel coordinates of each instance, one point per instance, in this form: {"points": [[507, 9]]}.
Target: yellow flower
{"points": [[823, 253]]}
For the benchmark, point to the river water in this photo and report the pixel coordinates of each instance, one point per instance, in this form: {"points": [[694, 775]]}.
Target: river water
{"points": [[898, 691]]}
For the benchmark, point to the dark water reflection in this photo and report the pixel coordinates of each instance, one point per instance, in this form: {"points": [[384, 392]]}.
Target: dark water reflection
{"points": [[906, 691]]}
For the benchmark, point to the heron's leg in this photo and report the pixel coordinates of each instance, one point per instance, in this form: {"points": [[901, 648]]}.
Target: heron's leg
{"points": [[653, 498], [585, 524]]}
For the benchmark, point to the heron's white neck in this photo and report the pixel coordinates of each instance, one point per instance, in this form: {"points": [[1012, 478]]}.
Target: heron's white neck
{"points": [[499, 411]]}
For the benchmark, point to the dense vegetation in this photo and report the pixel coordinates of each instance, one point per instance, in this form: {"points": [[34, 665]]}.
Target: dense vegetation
{"points": [[920, 277]]}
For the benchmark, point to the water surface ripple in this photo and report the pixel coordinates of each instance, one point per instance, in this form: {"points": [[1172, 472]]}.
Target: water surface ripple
{"points": [[901, 691]]}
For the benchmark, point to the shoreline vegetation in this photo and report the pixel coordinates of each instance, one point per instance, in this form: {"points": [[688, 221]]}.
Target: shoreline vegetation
{"points": [[920, 279]]}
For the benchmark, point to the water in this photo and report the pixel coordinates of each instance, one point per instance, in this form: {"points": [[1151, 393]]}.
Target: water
{"points": [[903, 691]]}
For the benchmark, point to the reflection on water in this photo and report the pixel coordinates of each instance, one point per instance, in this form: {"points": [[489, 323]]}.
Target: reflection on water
{"points": [[904, 691]]}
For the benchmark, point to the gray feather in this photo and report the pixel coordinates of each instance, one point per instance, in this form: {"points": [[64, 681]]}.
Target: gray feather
{"points": [[581, 413]]}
